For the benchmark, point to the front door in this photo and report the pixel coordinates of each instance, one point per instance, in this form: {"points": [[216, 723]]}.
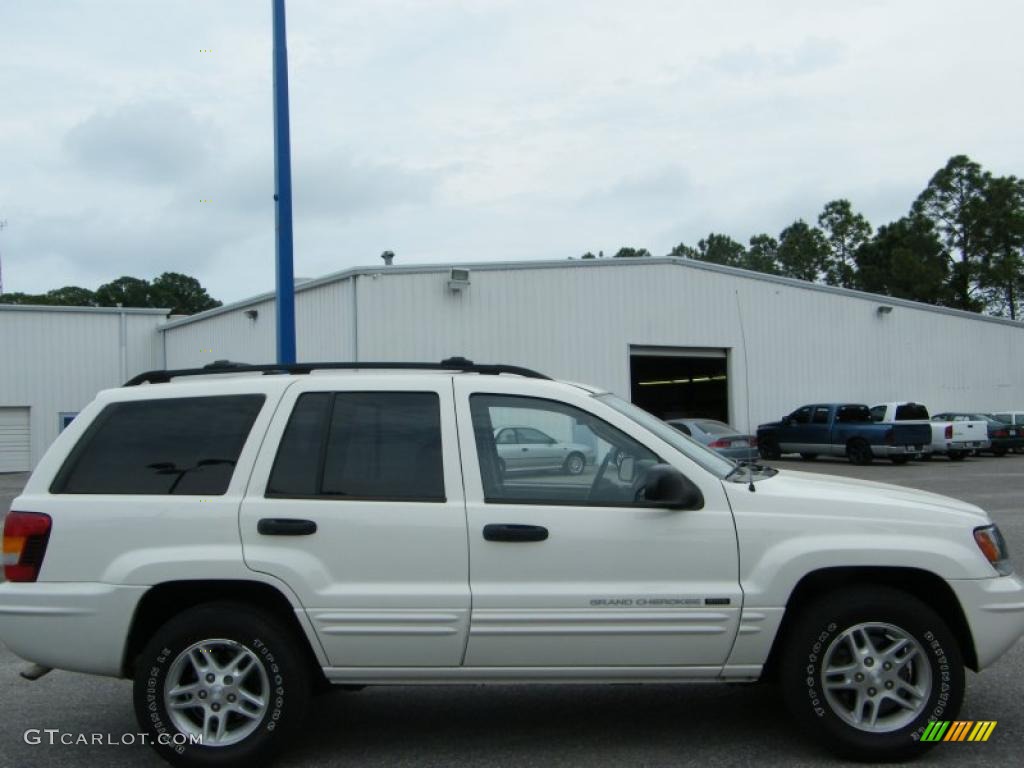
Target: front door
{"points": [[571, 571], [360, 511]]}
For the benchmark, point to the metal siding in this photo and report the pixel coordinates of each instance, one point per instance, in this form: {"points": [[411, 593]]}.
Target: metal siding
{"points": [[56, 362], [803, 345]]}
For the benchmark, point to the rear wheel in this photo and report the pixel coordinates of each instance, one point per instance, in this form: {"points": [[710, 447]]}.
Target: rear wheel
{"points": [[957, 455], [899, 459], [769, 450], [865, 670], [1000, 452], [859, 452], [221, 684], [574, 464], [808, 456]]}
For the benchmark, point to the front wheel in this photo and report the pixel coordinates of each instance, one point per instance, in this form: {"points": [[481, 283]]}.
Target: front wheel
{"points": [[769, 450], [865, 670], [221, 684]]}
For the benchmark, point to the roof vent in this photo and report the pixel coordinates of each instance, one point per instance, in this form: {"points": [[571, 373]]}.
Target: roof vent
{"points": [[388, 256]]}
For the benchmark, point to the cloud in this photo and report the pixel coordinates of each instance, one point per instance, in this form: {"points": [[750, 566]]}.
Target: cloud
{"points": [[151, 142]]}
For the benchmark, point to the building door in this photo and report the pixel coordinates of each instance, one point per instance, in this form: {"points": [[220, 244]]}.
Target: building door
{"points": [[15, 440], [680, 382]]}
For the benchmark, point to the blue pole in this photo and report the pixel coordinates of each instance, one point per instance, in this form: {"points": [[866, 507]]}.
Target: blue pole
{"points": [[283, 195]]}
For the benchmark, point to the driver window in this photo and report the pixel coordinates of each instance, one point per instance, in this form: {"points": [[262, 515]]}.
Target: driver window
{"points": [[802, 416], [564, 455]]}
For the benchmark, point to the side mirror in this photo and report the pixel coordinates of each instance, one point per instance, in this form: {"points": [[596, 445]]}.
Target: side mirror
{"points": [[627, 469], [668, 488]]}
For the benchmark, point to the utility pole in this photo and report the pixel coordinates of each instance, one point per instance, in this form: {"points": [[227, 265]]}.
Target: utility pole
{"points": [[283, 194], [3, 226]]}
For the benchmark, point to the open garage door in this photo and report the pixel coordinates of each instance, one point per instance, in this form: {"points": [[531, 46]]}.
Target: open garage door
{"points": [[680, 382], [15, 444]]}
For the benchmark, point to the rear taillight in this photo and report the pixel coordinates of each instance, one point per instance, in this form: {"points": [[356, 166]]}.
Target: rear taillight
{"points": [[720, 443], [25, 537], [949, 431], [1001, 433]]}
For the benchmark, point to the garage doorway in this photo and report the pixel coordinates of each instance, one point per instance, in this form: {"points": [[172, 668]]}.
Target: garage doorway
{"points": [[15, 443], [680, 382]]}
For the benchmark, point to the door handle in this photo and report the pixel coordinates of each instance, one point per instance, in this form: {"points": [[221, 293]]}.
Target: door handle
{"points": [[285, 526], [514, 532]]}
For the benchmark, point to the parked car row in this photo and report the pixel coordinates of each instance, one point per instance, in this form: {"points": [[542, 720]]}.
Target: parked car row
{"points": [[898, 431]]}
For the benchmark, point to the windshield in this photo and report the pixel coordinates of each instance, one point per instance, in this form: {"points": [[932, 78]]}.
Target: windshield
{"points": [[705, 457]]}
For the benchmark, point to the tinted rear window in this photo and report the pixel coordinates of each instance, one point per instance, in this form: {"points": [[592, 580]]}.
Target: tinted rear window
{"points": [[911, 412], [858, 413], [181, 446], [715, 428], [361, 445]]}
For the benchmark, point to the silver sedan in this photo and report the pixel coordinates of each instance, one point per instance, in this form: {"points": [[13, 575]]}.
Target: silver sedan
{"points": [[528, 449], [718, 436]]}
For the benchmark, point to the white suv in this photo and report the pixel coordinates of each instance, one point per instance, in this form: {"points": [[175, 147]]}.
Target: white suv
{"points": [[235, 542]]}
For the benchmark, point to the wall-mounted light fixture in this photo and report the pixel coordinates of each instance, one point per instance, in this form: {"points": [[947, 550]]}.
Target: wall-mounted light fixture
{"points": [[884, 309], [458, 280], [252, 314]]}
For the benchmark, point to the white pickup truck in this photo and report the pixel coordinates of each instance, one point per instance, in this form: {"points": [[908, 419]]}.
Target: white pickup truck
{"points": [[954, 439]]}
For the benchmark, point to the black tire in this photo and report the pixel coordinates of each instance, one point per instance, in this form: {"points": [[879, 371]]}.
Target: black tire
{"points": [[769, 450], [899, 459], [815, 634], [809, 456], [859, 452], [999, 452], [957, 455], [276, 666], [574, 463], [924, 456]]}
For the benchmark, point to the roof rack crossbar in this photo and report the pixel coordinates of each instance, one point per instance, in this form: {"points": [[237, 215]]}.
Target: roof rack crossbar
{"points": [[226, 366]]}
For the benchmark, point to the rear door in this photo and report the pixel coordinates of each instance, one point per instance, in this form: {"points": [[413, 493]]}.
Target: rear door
{"points": [[356, 503], [571, 571]]}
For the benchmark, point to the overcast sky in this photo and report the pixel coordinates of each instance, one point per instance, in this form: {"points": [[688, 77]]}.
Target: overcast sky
{"points": [[475, 131]]}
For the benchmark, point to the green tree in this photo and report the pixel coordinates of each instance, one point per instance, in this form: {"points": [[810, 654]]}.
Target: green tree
{"points": [[763, 254], [588, 255], [684, 251], [182, 294], [954, 201], [905, 259], [845, 231], [23, 298], [71, 296], [632, 253], [721, 249], [803, 251], [1000, 241], [126, 292]]}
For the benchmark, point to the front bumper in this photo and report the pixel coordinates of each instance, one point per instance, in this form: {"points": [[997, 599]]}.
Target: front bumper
{"points": [[66, 625], [995, 613]]}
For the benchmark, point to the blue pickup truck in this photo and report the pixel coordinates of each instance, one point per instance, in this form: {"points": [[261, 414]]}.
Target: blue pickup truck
{"points": [[842, 429]]}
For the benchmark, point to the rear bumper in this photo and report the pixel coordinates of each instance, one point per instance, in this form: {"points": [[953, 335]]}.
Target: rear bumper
{"points": [[76, 626], [900, 450], [968, 445], [995, 613]]}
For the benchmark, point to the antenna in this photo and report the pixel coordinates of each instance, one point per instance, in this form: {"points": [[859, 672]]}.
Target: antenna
{"points": [[746, 395], [3, 226]]}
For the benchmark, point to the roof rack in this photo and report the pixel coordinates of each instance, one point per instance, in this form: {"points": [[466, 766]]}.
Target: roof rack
{"points": [[227, 366]]}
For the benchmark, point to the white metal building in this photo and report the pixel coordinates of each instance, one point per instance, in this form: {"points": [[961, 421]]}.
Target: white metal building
{"points": [[676, 336], [53, 360]]}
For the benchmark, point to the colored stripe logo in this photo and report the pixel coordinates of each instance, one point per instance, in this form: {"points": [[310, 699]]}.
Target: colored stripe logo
{"points": [[959, 730]]}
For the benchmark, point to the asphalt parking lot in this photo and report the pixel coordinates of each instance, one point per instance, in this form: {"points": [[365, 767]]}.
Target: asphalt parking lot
{"points": [[620, 725]]}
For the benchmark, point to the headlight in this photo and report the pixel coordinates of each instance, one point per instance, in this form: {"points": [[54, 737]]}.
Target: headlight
{"points": [[993, 547]]}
